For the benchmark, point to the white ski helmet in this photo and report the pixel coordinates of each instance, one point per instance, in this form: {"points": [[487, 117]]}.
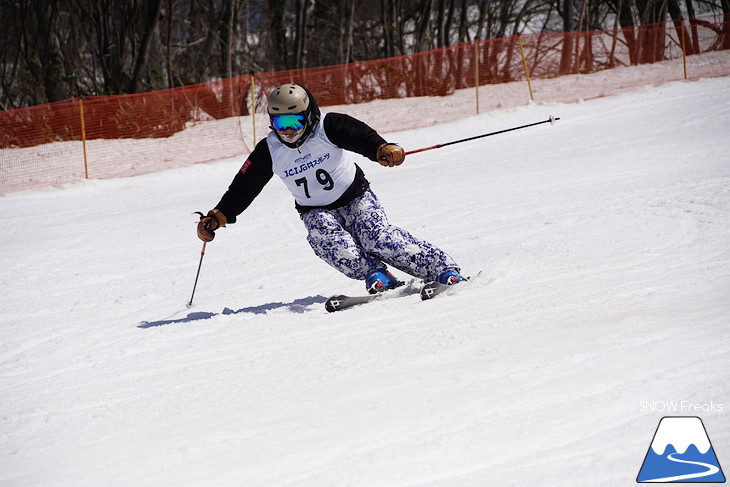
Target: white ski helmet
{"points": [[290, 112]]}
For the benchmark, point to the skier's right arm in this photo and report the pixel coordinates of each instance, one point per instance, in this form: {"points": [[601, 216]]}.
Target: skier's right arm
{"points": [[245, 187]]}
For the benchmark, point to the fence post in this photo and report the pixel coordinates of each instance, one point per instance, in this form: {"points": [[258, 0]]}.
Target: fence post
{"points": [[524, 64], [83, 136], [476, 71], [253, 106]]}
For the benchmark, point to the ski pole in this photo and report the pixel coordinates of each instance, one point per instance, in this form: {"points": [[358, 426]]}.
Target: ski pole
{"points": [[200, 264], [550, 120]]}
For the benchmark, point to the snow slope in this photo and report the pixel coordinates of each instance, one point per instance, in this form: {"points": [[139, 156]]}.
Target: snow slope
{"points": [[604, 243]]}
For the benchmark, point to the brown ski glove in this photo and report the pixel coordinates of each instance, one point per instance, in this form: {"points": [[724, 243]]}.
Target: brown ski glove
{"points": [[209, 224], [390, 155]]}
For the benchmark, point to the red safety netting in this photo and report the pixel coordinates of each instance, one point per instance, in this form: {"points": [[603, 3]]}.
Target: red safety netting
{"points": [[126, 135]]}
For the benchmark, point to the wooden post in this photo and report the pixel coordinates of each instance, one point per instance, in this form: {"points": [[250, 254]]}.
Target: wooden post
{"points": [[253, 106], [83, 136], [524, 64], [476, 71]]}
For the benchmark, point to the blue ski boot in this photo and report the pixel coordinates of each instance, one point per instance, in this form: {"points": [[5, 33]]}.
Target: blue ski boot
{"points": [[450, 276], [381, 280]]}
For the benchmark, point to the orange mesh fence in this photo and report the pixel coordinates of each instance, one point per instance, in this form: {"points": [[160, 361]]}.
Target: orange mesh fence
{"points": [[126, 135], [122, 135]]}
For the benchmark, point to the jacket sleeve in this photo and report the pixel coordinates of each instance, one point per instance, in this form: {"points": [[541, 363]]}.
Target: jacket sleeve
{"points": [[351, 134], [248, 183]]}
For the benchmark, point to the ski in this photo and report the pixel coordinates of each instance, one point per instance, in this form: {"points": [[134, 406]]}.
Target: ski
{"points": [[431, 289], [341, 302], [428, 290]]}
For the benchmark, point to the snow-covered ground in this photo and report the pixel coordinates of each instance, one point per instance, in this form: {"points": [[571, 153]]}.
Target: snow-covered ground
{"points": [[604, 243]]}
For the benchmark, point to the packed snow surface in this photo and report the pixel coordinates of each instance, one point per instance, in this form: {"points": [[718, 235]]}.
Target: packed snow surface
{"points": [[603, 305]]}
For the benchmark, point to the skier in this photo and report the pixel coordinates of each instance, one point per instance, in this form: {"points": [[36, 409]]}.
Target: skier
{"points": [[347, 226]]}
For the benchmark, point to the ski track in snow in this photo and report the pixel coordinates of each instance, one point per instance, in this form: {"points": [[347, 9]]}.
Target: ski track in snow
{"points": [[603, 242]]}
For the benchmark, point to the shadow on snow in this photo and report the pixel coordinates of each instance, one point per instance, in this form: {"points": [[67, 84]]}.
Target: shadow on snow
{"points": [[297, 306]]}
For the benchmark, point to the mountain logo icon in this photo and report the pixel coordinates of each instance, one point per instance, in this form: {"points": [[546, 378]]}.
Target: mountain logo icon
{"points": [[681, 452]]}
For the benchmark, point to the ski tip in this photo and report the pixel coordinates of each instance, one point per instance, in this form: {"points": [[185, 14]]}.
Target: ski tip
{"points": [[429, 290], [434, 288], [333, 303]]}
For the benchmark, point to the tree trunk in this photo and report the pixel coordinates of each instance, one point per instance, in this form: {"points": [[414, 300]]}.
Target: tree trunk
{"points": [[386, 8], [229, 36], [45, 55], [421, 68], [566, 55], [653, 31], [153, 13], [626, 20], [726, 17], [463, 27], [205, 67], [676, 14], [693, 27], [422, 25], [168, 60], [585, 23], [440, 23], [278, 35], [350, 29], [300, 35], [448, 23]]}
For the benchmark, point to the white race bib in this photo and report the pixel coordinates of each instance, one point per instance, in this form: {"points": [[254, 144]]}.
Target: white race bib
{"points": [[317, 173]]}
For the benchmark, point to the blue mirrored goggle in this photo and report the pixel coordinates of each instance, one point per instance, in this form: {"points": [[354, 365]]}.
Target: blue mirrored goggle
{"points": [[293, 121]]}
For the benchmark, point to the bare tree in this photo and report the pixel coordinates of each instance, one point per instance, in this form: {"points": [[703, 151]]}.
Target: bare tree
{"points": [[55, 49], [278, 36]]}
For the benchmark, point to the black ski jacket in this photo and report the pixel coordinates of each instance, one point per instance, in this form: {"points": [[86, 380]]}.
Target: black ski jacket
{"points": [[342, 130]]}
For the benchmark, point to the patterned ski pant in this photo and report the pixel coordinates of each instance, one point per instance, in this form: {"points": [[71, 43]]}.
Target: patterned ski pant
{"points": [[357, 239]]}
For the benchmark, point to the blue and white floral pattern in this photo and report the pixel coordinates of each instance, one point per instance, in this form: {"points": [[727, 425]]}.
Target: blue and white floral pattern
{"points": [[357, 239]]}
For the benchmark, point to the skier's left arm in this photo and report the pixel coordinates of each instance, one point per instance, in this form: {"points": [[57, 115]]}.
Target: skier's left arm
{"points": [[356, 136]]}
